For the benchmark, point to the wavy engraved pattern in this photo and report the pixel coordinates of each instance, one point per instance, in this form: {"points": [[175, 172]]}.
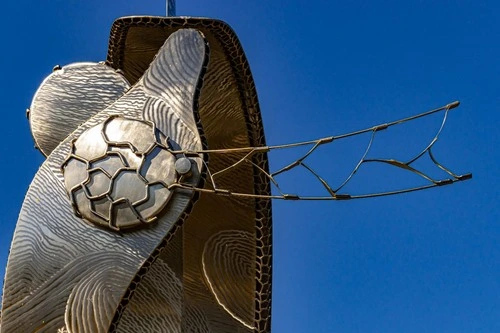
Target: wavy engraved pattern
{"points": [[175, 86], [62, 271], [100, 273], [229, 112], [159, 306], [228, 268], [167, 121], [70, 96], [199, 144]]}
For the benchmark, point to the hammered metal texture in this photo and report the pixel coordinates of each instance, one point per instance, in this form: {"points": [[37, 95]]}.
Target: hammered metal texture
{"points": [[66, 275], [68, 97], [222, 291]]}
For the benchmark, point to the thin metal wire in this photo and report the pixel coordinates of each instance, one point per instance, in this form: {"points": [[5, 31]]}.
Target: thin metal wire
{"points": [[356, 168], [318, 198], [333, 193], [434, 140], [328, 139], [298, 161]]}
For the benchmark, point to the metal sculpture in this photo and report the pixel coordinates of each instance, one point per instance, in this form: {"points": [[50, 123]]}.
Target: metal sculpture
{"points": [[152, 211], [118, 173]]}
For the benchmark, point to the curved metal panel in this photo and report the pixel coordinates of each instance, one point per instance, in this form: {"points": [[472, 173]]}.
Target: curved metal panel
{"points": [[67, 275], [221, 290], [68, 97]]}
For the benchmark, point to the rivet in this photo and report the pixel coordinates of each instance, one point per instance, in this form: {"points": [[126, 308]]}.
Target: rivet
{"points": [[183, 166]]}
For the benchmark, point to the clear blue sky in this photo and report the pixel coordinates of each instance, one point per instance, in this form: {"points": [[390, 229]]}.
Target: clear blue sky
{"points": [[421, 262]]}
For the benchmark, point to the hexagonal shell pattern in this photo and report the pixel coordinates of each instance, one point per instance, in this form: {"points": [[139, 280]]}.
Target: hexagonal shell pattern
{"points": [[118, 172]]}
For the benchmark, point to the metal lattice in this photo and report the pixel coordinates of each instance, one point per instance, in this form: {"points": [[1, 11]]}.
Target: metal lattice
{"points": [[333, 191]]}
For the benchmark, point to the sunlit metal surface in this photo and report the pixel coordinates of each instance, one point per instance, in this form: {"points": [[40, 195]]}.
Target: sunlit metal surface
{"points": [[68, 97], [220, 295], [190, 126], [118, 173], [68, 275], [203, 268]]}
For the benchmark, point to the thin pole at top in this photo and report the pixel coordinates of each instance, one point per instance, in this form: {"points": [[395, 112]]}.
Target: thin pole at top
{"points": [[170, 7]]}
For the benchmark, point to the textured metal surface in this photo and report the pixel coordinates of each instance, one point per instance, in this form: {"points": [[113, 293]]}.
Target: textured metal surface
{"points": [[118, 173], [70, 276], [68, 97], [227, 261], [221, 291]]}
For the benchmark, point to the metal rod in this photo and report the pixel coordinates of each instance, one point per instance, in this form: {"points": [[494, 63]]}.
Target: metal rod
{"points": [[170, 7], [265, 149]]}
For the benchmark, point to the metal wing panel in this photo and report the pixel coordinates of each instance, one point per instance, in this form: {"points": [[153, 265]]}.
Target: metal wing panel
{"points": [[66, 274], [230, 115]]}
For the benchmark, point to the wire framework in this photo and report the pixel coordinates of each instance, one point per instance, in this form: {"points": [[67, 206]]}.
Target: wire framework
{"points": [[333, 191]]}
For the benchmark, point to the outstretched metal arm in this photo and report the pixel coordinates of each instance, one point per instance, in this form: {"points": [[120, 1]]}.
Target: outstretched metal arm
{"points": [[333, 192]]}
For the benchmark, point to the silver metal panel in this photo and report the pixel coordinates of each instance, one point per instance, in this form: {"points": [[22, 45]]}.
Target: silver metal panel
{"points": [[68, 97], [65, 274]]}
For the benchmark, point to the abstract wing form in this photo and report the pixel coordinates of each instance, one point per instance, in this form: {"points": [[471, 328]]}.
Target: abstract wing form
{"points": [[69, 268], [152, 212], [221, 256], [106, 240]]}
